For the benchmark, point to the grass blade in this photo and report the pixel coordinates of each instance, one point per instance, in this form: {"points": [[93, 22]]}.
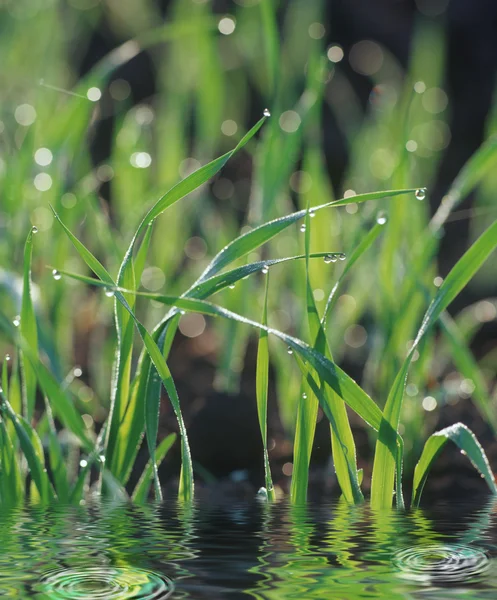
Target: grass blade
{"points": [[29, 332], [141, 491], [466, 441], [386, 449], [261, 384]]}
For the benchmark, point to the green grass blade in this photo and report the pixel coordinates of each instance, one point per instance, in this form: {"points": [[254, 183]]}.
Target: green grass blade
{"points": [[141, 491], [56, 458], [460, 274], [186, 479], [261, 385], [252, 240], [29, 332], [466, 441]]}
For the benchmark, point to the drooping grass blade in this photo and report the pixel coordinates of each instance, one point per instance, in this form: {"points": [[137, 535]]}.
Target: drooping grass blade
{"points": [[140, 493], [466, 441]]}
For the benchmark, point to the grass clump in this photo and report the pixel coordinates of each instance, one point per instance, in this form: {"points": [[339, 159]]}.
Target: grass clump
{"points": [[337, 264]]}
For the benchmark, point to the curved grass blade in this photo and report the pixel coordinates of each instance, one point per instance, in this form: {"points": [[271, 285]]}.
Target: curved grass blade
{"points": [[141, 491], [327, 370], [186, 479], [251, 240], [365, 244], [29, 333], [261, 386], [459, 276], [466, 441]]}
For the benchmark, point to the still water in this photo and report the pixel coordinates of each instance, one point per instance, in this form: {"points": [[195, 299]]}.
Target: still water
{"points": [[252, 550]]}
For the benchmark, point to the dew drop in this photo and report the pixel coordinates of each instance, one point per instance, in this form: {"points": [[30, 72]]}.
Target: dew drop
{"points": [[232, 286], [312, 214], [420, 194], [265, 270], [266, 112], [302, 228], [101, 458], [463, 452], [83, 463], [16, 321], [381, 218], [7, 357], [289, 350], [56, 275], [341, 256], [330, 258], [77, 371], [34, 229], [304, 396], [109, 293]]}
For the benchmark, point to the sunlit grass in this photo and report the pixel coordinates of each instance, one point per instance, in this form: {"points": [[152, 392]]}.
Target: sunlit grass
{"points": [[351, 280]]}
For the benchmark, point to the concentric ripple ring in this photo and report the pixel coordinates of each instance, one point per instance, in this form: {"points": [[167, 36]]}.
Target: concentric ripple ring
{"points": [[111, 583], [444, 563]]}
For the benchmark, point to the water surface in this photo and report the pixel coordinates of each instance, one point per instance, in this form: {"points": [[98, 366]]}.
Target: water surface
{"points": [[253, 550]]}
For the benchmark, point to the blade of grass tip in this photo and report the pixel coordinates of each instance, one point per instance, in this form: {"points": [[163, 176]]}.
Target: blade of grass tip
{"points": [[28, 331], [466, 441], [261, 383], [32, 449], [185, 187], [142, 488], [186, 478], [456, 280], [364, 245]]}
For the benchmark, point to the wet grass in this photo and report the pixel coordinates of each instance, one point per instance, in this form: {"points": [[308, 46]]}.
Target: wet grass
{"points": [[352, 279]]}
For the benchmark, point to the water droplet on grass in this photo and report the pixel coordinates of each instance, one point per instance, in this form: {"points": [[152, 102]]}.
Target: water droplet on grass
{"points": [[304, 396], [330, 258], [420, 194], [16, 321], [341, 256], [7, 357], [232, 286], [312, 214], [302, 228], [266, 112], [77, 371], [108, 293], [56, 275], [265, 270], [289, 350], [34, 229], [382, 218]]}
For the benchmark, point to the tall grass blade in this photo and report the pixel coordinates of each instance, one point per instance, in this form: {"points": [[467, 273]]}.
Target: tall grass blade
{"points": [[466, 441], [261, 386], [29, 333], [386, 449]]}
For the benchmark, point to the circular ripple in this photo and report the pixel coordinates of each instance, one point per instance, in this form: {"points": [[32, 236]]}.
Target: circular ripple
{"points": [[112, 583], [441, 563]]}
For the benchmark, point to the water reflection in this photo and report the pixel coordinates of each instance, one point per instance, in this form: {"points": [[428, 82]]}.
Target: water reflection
{"points": [[252, 550]]}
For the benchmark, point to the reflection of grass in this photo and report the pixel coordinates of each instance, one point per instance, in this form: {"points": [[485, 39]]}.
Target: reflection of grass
{"points": [[366, 315]]}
